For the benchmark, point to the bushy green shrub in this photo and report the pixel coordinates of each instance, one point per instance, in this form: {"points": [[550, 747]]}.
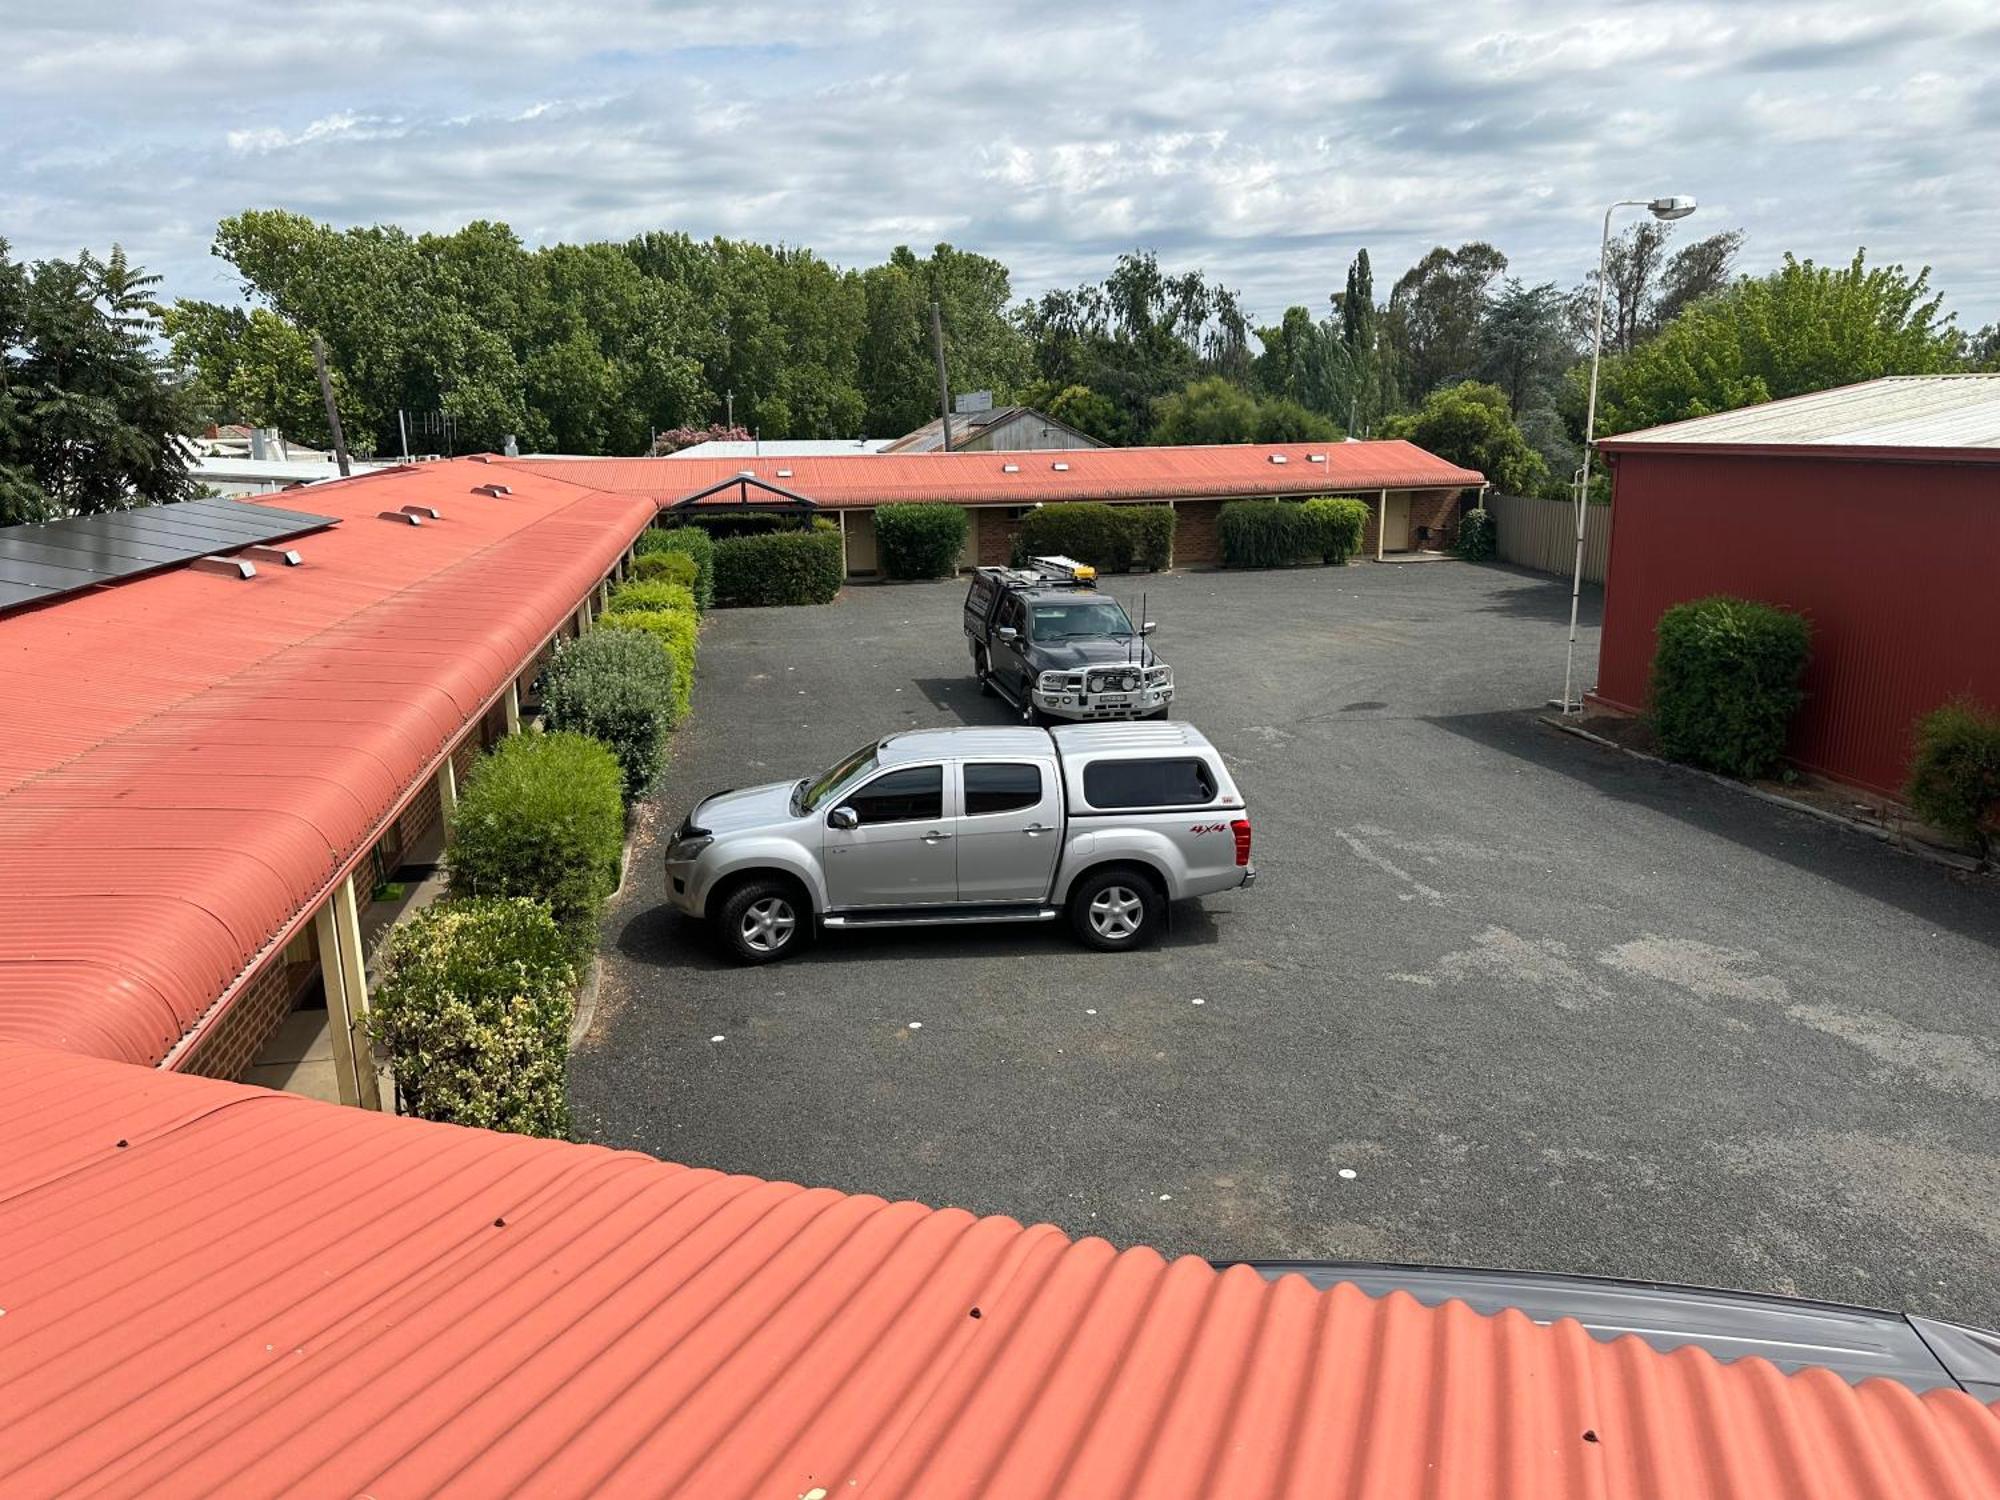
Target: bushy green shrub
{"points": [[641, 594], [694, 543], [1150, 530], [675, 629], [1478, 537], [781, 567], [1266, 534], [1337, 524], [540, 816], [1955, 776], [617, 687], [1726, 676], [1086, 530], [474, 1012], [919, 541], [667, 567]]}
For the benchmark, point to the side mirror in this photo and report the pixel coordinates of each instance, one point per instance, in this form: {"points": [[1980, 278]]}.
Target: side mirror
{"points": [[1008, 633], [843, 818], [1148, 628]]}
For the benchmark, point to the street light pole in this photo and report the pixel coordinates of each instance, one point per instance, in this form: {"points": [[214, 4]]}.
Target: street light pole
{"points": [[1660, 208]]}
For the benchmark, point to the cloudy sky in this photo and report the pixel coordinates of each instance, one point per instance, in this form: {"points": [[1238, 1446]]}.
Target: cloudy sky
{"points": [[1263, 142]]}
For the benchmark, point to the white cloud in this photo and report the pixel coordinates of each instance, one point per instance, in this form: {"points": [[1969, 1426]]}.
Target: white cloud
{"points": [[1264, 142]]}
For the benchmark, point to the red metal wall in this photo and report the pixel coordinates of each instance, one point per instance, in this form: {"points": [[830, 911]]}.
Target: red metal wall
{"points": [[1896, 564]]}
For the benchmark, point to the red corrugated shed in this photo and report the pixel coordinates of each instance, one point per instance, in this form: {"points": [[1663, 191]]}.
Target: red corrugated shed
{"points": [[1894, 562], [214, 1290], [1214, 472], [193, 759]]}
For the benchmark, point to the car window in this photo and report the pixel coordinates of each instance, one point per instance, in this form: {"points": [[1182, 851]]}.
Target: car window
{"points": [[981, 593], [845, 774], [1012, 614], [1148, 783], [901, 796], [996, 787], [1063, 622]]}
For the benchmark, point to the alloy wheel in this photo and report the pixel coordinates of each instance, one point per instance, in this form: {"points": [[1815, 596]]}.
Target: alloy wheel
{"points": [[768, 924], [1116, 912]]}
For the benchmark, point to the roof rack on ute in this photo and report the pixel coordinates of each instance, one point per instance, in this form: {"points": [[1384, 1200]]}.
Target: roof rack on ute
{"points": [[1064, 570]]}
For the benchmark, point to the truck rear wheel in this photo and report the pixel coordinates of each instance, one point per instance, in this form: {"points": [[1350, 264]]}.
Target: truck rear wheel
{"points": [[762, 921], [1116, 909]]}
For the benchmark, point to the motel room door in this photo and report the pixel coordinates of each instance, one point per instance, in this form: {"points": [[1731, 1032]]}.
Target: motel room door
{"points": [[1396, 521]]}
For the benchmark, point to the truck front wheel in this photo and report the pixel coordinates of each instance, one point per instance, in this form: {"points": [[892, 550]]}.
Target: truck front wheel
{"points": [[1116, 909], [762, 921]]}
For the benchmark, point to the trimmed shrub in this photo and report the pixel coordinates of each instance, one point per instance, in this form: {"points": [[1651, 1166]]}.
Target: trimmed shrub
{"points": [[643, 595], [541, 817], [1337, 524], [675, 629], [781, 567], [1150, 529], [695, 543], [1266, 534], [1726, 679], [1955, 777], [1478, 537], [666, 567], [919, 541], [617, 687], [474, 1011]]}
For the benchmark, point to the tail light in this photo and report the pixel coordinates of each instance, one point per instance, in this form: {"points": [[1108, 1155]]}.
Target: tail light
{"points": [[1241, 828]]}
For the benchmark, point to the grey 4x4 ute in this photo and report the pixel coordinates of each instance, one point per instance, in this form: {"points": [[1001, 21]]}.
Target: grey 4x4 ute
{"points": [[1102, 823], [1047, 641]]}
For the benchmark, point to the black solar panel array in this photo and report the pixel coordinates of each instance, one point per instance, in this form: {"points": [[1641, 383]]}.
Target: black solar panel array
{"points": [[46, 561]]}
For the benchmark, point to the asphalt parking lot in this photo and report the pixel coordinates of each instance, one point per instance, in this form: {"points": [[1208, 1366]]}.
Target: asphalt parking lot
{"points": [[1500, 996]]}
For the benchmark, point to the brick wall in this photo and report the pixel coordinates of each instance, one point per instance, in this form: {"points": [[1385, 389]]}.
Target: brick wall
{"points": [[995, 535], [1438, 510], [234, 1039], [1197, 540]]}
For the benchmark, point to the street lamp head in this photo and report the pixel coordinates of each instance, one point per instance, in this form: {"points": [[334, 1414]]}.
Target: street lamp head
{"points": [[1671, 208]]}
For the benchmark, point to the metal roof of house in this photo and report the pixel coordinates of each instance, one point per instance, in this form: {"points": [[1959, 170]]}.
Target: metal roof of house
{"points": [[1941, 416], [966, 426], [781, 448], [192, 760], [213, 1289], [1222, 471]]}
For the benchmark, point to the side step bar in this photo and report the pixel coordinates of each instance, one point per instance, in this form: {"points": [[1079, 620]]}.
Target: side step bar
{"points": [[940, 916]]}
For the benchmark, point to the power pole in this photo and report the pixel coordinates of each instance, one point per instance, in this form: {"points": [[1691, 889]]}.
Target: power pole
{"points": [[944, 386], [332, 411], [729, 408]]}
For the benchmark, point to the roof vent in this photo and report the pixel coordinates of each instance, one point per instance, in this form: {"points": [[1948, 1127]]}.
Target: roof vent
{"points": [[1010, 468], [283, 555], [232, 567], [495, 490], [746, 473], [408, 518], [1315, 458], [1277, 458], [1060, 467], [784, 473], [427, 512]]}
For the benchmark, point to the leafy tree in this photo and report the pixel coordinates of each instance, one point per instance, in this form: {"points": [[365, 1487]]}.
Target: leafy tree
{"points": [[1298, 360], [1212, 410], [1696, 271], [1645, 288], [1802, 328], [1435, 313], [1982, 349], [249, 366], [984, 349], [1082, 408], [1364, 380], [1471, 425], [89, 419], [1522, 344]]}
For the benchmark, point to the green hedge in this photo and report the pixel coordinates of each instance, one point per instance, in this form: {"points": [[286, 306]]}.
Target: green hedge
{"points": [[691, 541], [675, 629], [541, 817], [780, 567], [617, 687], [667, 567], [1111, 538], [1955, 776], [1266, 534], [642, 594], [1338, 523], [1726, 676], [1478, 536], [919, 541], [474, 1010]]}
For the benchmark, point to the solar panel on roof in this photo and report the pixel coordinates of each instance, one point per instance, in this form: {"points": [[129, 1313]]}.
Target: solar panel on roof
{"points": [[45, 561]]}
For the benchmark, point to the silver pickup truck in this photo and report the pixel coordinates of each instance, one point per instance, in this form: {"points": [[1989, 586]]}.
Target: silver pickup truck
{"points": [[1104, 823]]}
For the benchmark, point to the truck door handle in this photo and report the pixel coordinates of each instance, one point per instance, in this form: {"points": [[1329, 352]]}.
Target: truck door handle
{"points": [[935, 837], [1034, 828]]}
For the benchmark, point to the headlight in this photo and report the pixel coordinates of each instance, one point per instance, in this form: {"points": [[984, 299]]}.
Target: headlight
{"points": [[1050, 682], [685, 849]]}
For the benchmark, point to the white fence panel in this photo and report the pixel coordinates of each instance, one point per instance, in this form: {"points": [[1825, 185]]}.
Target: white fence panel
{"points": [[1541, 534]]}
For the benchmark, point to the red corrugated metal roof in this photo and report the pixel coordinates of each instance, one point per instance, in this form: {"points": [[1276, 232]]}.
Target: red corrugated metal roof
{"points": [[192, 758], [1092, 474], [210, 1289]]}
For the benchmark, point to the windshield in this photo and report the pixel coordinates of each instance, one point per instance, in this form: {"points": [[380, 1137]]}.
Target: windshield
{"points": [[1069, 622], [842, 775]]}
